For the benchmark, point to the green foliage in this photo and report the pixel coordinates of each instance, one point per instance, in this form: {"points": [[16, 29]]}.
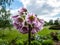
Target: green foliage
{"points": [[11, 37], [47, 42], [8, 36], [5, 18], [58, 35], [3, 42], [5, 14], [56, 22], [51, 22], [46, 31], [19, 42], [5, 23], [35, 43], [46, 23]]}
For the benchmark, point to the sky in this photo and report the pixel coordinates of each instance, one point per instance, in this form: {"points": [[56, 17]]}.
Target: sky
{"points": [[45, 9]]}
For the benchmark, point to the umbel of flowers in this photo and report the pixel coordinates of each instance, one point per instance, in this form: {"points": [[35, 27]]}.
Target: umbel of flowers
{"points": [[27, 22]]}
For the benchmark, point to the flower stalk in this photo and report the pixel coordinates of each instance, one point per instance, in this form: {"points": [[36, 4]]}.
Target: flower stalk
{"points": [[27, 23], [29, 35]]}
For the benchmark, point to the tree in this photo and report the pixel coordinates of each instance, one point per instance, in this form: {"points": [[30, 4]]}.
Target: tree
{"points": [[51, 22], [4, 3], [59, 21], [46, 23], [56, 22], [5, 14], [4, 19]]}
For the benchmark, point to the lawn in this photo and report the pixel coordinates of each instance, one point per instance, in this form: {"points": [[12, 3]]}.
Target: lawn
{"points": [[47, 31], [14, 36]]}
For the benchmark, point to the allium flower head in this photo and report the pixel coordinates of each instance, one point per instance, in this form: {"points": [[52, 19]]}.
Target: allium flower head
{"points": [[22, 22]]}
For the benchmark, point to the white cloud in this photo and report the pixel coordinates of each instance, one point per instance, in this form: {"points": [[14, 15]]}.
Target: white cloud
{"points": [[25, 2], [55, 12], [42, 7], [45, 9], [54, 3], [14, 12], [47, 18]]}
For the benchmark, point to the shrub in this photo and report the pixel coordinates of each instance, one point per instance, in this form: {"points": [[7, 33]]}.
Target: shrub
{"points": [[3, 42], [55, 27], [54, 36]]}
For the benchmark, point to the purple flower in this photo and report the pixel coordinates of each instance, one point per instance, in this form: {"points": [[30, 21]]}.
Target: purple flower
{"points": [[15, 16], [41, 20], [16, 25], [22, 22], [36, 27], [20, 13], [33, 31], [24, 30], [31, 18], [22, 10]]}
